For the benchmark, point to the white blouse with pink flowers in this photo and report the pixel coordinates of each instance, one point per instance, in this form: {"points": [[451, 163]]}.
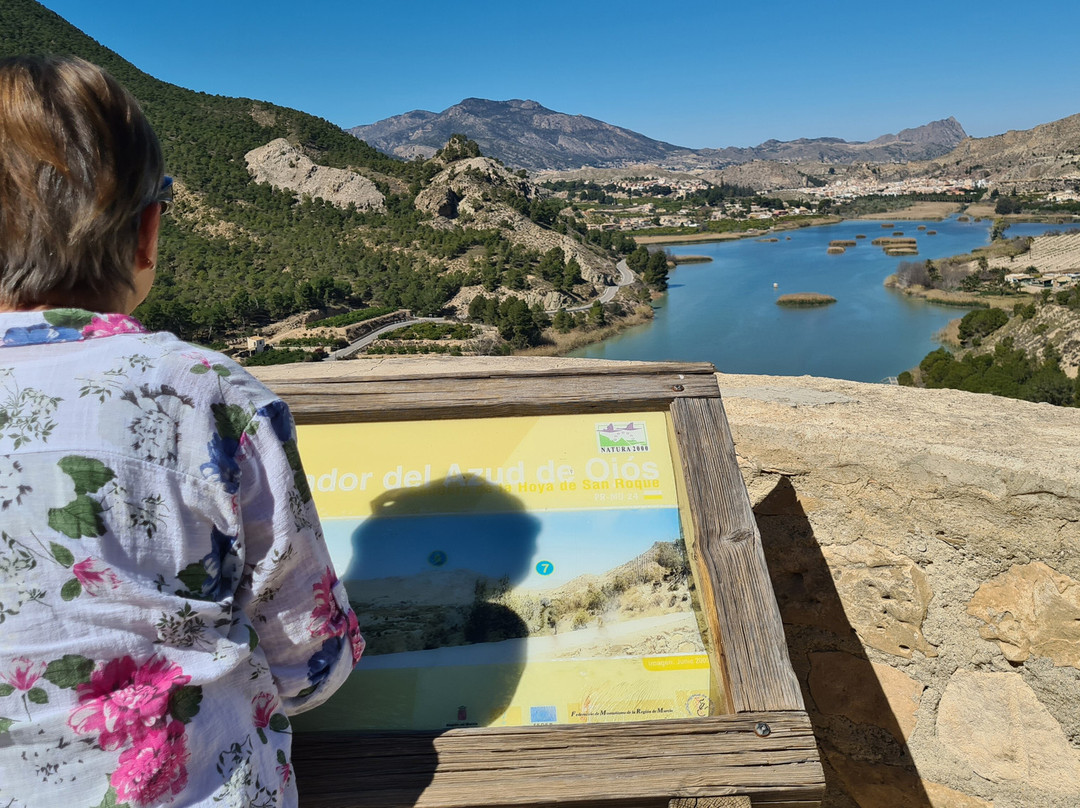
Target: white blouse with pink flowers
{"points": [[166, 600]]}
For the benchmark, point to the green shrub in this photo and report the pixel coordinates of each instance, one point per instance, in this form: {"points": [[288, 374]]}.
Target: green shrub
{"points": [[1025, 312], [982, 322], [432, 331], [279, 356]]}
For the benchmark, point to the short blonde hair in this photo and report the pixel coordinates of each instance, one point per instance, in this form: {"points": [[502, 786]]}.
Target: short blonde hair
{"points": [[78, 163]]}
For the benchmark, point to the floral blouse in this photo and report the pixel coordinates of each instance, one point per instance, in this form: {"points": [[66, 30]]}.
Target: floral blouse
{"points": [[166, 599]]}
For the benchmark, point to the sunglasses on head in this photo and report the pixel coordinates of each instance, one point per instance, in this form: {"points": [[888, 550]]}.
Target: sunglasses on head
{"points": [[165, 195]]}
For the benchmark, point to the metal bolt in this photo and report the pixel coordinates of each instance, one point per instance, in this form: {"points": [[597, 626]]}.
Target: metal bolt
{"points": [[761, 729], [678, 388]]}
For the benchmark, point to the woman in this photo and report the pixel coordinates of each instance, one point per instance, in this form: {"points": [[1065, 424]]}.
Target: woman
{"points": [[166, 600]]}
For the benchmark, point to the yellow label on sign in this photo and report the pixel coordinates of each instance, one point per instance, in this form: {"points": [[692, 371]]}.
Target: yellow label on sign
{"points": [[682, 662], [561, 462]]}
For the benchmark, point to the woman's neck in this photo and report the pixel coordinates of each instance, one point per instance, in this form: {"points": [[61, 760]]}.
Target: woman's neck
{"points": [[4, 309]]}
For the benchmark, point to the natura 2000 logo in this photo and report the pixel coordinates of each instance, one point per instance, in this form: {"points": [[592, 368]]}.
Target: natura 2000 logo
{"points": [[616, 437]]}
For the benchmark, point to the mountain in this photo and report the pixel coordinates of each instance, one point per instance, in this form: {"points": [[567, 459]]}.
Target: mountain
{"points": [[1041, 158], [524, 134], [938, 133], [920, 143]]}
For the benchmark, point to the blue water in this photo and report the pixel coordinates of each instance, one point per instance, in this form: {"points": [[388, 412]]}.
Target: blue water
{"points": [[725, 311]]}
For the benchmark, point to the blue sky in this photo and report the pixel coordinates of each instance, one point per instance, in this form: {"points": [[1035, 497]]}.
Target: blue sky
{"points": [[698, 74]]}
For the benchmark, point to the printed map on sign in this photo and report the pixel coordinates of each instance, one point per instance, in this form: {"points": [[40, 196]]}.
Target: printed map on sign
{"points": [[510, 571]]}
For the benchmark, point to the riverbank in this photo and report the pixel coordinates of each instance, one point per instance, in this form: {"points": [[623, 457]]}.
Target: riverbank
{"points": [[562, 344], [1052, 257], [693, 238], [961, 300], [919, 211]]}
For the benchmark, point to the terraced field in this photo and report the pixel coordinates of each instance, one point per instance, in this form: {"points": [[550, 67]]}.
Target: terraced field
{"points": [[1051, 255]]}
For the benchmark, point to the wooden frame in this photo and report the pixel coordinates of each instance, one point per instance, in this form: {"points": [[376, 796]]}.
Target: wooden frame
{"points": [[764, 749]]}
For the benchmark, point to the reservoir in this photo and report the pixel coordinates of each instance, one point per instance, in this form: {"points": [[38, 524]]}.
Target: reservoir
{"points": [[725, 311]]}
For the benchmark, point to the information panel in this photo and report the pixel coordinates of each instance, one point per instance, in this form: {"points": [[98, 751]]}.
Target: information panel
{"points": [[510, 572]]}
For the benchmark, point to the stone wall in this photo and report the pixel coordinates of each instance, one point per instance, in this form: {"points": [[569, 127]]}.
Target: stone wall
{"points": [[924, 546], [925, 550]]}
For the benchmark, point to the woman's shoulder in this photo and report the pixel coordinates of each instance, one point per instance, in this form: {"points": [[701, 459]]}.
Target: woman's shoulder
{"points": [[196, 368]]}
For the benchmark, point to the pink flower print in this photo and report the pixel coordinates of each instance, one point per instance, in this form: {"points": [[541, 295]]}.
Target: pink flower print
{"points": [[95, 579], [123, 702], [108, 325], [355, 637], [198, 357], [264, 705], [285, 770], [327, 618], [23, 673], [155, 770]]}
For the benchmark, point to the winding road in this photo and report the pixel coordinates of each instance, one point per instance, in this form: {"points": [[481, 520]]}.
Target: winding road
{"points": [[363, 342], [625, 277]]}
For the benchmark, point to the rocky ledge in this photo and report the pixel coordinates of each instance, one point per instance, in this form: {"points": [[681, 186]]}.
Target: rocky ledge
{"points": [[286, 167]]}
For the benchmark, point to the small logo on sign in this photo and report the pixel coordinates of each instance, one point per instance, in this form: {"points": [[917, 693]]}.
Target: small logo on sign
{"points": [[542, 715], [622, 436]]}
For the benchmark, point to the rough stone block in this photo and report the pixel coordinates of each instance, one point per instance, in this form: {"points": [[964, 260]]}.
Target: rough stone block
{"points": [[996, 725], [885, 596], [865, 692], [1031, 609]]}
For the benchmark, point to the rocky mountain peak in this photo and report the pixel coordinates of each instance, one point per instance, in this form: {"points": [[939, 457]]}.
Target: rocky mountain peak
{"points": [[520, 133], [946, 132]]}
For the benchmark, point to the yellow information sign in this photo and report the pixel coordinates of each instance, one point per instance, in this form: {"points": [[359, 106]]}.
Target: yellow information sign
{"points": [[510, 571]]}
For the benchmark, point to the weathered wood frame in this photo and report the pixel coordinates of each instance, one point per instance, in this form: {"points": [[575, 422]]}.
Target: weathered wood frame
{"points": [[764, 749]]}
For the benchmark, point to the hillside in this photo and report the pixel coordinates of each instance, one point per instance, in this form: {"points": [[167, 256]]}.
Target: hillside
{"points": [[920, 143], [238, 253], [524, 134], [1055, 326], [1046, 157]]}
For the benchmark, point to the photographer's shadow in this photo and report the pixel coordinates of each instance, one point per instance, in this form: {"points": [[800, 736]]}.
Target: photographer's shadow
{"points": [[430, 579]]}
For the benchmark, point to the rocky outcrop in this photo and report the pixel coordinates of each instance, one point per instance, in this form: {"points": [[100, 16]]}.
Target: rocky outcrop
{"points": [[474, 191], [283, 166], [940, 133], [468, 186], [995, 724]]}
